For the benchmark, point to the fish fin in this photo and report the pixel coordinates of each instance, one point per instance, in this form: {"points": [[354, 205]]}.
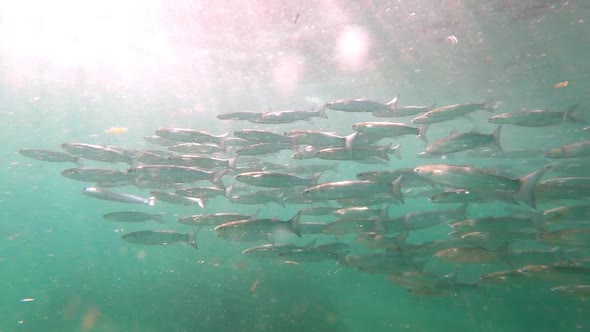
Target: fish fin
{"points": [[294, 224], [199, 202], [222, 138], [350, 140], [313, 180], [396, 188], [396, 151], [488, 106], [310, 245], [228, 191], [400, 240], [422, 133], [526, 191], [570, 115], [158, 218], [462, 212], [231, 162], [384, 152], [280, 199], [496, 137], [151, 201], [393, 103], [192, 238], [216, 180], [322, 113], [255, 214]]}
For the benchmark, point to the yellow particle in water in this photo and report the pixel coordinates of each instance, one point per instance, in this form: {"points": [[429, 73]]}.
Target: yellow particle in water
{"points": [[116, 130], [560, 85]]}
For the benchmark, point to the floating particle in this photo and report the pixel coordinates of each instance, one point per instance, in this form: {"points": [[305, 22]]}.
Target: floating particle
{"points": [[560, 85], [116, 130]]}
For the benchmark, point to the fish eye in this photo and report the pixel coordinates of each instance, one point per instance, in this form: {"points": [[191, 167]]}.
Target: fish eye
{"points": [[307, 191], [417, 170]]}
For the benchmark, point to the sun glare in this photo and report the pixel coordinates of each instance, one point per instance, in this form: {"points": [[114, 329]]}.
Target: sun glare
{"points": [[66, 36]]}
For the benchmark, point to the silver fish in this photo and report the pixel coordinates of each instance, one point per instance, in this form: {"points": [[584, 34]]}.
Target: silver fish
{"points": [[290, 116], [97, 153], [352, 189], [197, 148], [403, 111], [466, 177], [537, 118], [451, 112], [463, 141], [580, 149], [257, 228], [173, 198], [191, 136], [176, 174], [161, 237], [214, 219], [97, 175], [276, 179], [388, 129], [361, 105], [381, 152], [261, 136], [48, 155], [108, 195], [132, 216], [240, 116]]}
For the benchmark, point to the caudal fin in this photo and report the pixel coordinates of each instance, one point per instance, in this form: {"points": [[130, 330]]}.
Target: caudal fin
{"points": [[383, 152], [422, 133], [396, 151], [570, 115], [526, 191], [294, 224], [393, 104], [350, 140], [151, 201], [158, 218], [396, 188], [313, 180], [192, 238], [322, 113], [216, 178], [496, 137]]}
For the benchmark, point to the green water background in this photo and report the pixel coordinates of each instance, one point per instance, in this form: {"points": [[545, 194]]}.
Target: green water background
{"points": [[57, 249]]}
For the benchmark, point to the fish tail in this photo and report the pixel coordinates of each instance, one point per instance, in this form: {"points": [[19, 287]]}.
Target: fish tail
{"points": [[350, 140], [322, 112], [158, 218], [570, 115], [231, 162], [228, 191], [396, 151], [192, 238], [294, 224], [200, 202], [216, 178], [383, 152], [393, 103], [313, 180], [526, 191], [151, 201], [396, 188], [221, 140], [496, 137], [461, 212], [422, 133], [310, 245], [488, 106], [280, 200]]}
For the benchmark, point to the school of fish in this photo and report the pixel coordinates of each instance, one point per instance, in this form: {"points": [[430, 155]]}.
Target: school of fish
{"points": [[352, 221]]}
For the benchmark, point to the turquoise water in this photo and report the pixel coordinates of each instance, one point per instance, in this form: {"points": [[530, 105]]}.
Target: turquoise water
{"points": [[69, 73]]}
